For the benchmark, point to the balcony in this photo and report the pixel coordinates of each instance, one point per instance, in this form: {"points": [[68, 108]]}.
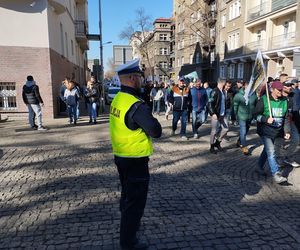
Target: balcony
{"points": [[279, 4], [58, 6], [254, 46], [258, 11], [283, 41], [81, 34]]}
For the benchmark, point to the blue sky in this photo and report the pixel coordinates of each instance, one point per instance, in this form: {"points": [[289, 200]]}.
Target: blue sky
{"points": [[115, 16]]}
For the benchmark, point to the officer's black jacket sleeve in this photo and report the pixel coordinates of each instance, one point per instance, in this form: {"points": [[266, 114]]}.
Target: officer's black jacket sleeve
{"points": [[140, 116]]}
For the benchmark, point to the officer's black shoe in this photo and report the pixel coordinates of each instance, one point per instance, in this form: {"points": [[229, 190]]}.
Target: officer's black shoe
{"points": [[136, 246]]}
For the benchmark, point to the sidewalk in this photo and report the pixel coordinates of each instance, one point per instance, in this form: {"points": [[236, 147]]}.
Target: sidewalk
{"points": [[60, 190]]}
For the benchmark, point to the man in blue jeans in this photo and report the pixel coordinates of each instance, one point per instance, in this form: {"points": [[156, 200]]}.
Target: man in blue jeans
{"points": [[270, 127], [179, 98], [199, 99]]}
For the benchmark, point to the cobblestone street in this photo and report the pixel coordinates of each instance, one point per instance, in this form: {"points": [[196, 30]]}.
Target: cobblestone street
{"points": [[59, 189]]}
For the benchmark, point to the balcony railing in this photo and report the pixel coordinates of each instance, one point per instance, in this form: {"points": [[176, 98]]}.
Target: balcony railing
{"points": [[282, 41], [279, 4], [258, 11], [254, 46], [80, 28]]}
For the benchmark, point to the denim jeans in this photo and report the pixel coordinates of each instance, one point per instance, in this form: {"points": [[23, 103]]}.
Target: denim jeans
{"points": [[176, 116], [156, 106], [72, 111], [77, 110], [219, 128], [244, 128], [35, 110], [92, 108], [268, 153], [198, 118]]}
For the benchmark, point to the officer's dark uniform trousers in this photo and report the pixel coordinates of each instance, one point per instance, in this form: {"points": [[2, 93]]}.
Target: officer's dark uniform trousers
{"points": [[134, 178]]}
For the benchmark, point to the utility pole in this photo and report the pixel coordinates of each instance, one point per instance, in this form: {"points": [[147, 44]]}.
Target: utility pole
{"points": [[102, 100]]}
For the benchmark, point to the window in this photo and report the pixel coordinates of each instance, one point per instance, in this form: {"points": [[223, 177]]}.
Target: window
{"points": [[62, 40], [223, 72], [178, 62], [182, 43], [163, 65], [66, 42], [285, 29], [72, 47], [231, 71], [258, 35], [163, 37], [223, 21], [163, 51], [233, 41], [240, 73], [198, 57], [235, 10], [182, 60], [8, 96], [191, 58]]}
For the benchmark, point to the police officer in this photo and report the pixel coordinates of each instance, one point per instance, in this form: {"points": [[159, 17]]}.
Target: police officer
{"points": [[131, 126]]}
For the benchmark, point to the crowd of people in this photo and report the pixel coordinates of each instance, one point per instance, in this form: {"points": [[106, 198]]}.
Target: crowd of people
{"points": [[274, 109]]}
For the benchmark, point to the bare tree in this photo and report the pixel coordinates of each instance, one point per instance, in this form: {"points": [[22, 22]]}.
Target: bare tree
{"points": [[139, 30]]}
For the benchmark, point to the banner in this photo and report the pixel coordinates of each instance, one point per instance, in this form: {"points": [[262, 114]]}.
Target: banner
{"points": [[192, 76], [258, 77]]}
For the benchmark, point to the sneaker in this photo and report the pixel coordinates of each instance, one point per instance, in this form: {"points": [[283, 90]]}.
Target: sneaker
{"points": [[245, 150], [90, 121], [34, 127], [95, 122], [218, 145], [183, 137], [292, 163], [42, 128], [196, 136], [278, 178], [212, 149]]}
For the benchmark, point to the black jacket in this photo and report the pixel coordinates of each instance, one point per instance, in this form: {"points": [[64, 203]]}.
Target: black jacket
{"points": [[92, 95], [140, 116], [214, 103], [31, 94]]}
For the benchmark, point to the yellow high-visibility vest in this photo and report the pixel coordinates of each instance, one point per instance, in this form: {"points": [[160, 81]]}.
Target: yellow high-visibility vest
{"points": [[126, 142]]}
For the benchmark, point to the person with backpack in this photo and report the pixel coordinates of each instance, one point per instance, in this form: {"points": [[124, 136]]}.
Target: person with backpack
{"points": [[33, 100]]}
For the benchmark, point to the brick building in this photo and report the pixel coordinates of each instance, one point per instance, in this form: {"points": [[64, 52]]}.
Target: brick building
{"points": [[46, 39]]}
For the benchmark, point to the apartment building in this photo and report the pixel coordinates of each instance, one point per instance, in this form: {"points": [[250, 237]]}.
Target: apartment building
{"points": [[46, 39], [156, 51], [195, 36], [248, 25]]}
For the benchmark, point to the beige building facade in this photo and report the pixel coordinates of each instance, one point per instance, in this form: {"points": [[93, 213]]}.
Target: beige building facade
{"points": [[46, 39], [246, 26], [195, 37]]}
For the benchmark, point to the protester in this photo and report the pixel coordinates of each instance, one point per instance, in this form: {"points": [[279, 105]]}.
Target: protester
{"points": [[179, 98], [91, 94], [270, 127], [198, 97], [208, 91], [131, 126], [156, 95], [168, 105], [32, 98], [244, 114], [71, 98], [219, 124]]}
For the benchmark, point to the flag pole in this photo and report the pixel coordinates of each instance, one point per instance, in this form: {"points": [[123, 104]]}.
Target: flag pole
{"points": [[268, 99]]}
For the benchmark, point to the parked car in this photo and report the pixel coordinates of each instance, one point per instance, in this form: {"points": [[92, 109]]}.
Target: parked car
{"points": [[112, 91]]}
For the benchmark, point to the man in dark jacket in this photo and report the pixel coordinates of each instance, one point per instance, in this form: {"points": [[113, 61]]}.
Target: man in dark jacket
{"points": [[217, 110], [179, 98], [270, 126], [31, 97], [131, 126], [198, 97]]}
